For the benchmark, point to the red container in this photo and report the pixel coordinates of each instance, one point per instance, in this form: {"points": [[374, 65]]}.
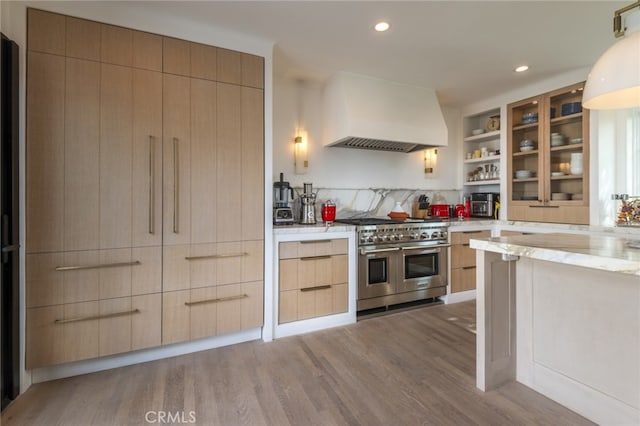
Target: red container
{"points": [[328, 212], [440, 210]]}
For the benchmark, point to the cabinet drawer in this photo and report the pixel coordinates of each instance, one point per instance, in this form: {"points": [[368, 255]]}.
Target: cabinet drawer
{"points": [[211, 311], [311, 302], [77, 331], [464, 237], [80, 276], [578, 215], [462, 255], [463, 279], [312, 271], [293, 249], [205, 265]]}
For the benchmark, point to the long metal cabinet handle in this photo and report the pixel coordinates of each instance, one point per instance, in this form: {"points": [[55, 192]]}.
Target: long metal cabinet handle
{"points": [[315, 257], [217, 256], [545, 207], [176, 186], [318, 287], [220, 299], [98, 266], [363, 251], [430, 249], [468, 267], [152, 184], [314, 241], [97, 317]]}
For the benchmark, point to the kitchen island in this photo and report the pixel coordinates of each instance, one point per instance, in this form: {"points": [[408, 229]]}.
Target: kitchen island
{"points": [[560, 313]]}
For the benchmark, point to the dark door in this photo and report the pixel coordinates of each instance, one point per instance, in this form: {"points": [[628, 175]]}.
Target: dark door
{"points": [[9, 260]]}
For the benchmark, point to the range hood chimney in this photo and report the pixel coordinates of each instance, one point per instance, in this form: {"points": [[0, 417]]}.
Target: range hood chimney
{"points": [[369, 113]]}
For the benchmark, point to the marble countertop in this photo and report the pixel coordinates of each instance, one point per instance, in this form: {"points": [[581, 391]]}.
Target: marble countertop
{"points": [[319, 227], [607, 253]]}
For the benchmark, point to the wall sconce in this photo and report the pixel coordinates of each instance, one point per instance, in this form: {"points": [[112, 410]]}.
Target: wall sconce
{"points": [[300, 153], [614, 81], [430, 160]]}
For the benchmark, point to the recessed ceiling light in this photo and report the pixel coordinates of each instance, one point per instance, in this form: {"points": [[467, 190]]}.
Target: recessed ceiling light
{"points": [[522, 68], [381, 26]]}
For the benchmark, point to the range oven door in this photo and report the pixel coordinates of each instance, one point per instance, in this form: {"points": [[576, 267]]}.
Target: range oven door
{"points": [[423, 267], [377, 271]]}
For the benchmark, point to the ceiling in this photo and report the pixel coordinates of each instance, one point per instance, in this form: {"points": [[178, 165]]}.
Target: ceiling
{"points": [[465, 50]]}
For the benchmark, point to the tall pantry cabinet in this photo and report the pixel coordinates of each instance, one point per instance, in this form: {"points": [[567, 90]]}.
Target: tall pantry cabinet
{"points": [[136, 176]]}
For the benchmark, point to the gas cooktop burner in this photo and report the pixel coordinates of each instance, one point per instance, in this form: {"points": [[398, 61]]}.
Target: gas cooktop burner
{"points": [[381, 221]]}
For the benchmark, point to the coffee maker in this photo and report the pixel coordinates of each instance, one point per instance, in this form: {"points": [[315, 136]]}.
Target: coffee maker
{"points": [[308, 206], [282, 195]]}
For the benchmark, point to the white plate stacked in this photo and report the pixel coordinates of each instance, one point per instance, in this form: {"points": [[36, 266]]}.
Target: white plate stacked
{"points": [[560, 196], [524, 174], [527, 145]]}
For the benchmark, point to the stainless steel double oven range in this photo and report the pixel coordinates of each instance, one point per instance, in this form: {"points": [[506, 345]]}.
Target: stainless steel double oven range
{"points": [[400, 262]]}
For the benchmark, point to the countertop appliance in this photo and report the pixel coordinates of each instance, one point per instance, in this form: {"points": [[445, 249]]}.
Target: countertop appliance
{"points": [[282, 195], [400, 262], [483, 204], [308, 205]]}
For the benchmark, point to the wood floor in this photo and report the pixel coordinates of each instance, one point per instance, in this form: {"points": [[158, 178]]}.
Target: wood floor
{"points": [[415, 367]]}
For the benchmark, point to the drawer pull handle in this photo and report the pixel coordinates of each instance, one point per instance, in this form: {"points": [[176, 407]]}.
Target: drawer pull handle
{"points": [[315, 257], [314, 241], [465, 244], [545, 207], [176, 187], [471, 232], [219, 299], [98, 317], [152, 184], [102, 265], [319, 287], [217, 256], [468, 267]]}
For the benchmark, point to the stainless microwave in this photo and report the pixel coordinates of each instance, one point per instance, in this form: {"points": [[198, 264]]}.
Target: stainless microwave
{"points": [[483, 204]]}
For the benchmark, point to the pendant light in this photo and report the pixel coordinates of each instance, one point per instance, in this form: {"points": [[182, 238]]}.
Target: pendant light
{"points": [[614, 81]]}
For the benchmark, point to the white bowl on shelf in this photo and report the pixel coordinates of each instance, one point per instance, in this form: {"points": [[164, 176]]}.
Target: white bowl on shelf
{"points": [[527, 148], [523, 174], [576, 197], [476, 132], [560, 196], [556, 174]]}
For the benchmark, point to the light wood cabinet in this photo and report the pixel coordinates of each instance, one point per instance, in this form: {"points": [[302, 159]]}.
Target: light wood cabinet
{"points": [[144, 190], [542, 185], [463, 260], [313, 277]]}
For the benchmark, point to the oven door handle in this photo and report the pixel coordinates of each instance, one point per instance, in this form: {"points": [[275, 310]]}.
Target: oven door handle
{"points": [[427, 249], [364, 252]]}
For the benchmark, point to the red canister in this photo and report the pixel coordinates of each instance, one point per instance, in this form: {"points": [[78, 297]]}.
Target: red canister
{"points": [[328, 211]]}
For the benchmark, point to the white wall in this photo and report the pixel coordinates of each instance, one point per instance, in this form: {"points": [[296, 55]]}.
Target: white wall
{"points": [[298, 104]]}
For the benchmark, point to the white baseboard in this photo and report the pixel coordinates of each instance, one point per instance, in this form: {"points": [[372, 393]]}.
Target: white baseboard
{"points": [[461, 296], [314, 324], [114, 361]]}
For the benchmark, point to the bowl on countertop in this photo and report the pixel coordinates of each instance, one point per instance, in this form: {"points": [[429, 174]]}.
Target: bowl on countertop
{"points": [[398, 215]]}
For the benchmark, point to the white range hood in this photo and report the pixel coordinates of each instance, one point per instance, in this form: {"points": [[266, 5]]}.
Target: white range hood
{"points": [[369, 113]]}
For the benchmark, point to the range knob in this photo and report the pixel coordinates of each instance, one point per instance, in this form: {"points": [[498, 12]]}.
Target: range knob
{"points": [[397, 237], [363, 239], [443, 234], [435, 235], [373, 239], [384, 237], [414, 236], [424, 235]]}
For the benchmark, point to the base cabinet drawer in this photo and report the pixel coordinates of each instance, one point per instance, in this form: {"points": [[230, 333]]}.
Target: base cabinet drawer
{"points": [[311, 302], [463, 260], [211, 311], [463, 279], [77, 331]]}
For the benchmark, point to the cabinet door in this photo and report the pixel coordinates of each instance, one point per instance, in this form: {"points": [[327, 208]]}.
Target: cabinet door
{"points": [[463, 279], [45, 151], [82, 151], [147, 158], [116, 146], [203, 160], [176, 158], [44, 337], [229, 164], [252, 192]]}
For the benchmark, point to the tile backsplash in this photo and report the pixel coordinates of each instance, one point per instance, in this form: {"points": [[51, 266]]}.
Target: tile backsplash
{"points": [[378, 202]]}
